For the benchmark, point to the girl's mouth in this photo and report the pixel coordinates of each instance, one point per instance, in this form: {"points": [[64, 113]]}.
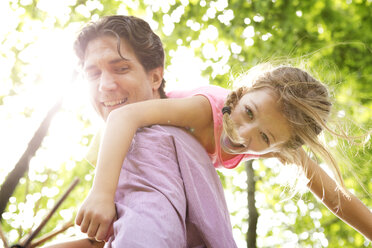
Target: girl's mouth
{"points": [[230, 145]]}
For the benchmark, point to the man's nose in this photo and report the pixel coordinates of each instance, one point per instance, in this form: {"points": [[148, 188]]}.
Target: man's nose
{"points": [[107, 82]]}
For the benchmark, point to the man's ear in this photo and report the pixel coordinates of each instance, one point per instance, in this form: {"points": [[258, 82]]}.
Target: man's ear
{"points": [[156, 77]]}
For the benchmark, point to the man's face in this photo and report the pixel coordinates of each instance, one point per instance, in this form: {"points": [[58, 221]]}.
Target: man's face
{"points": [[114, 81]]}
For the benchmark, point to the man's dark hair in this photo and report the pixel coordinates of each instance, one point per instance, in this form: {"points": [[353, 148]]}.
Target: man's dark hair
{"points": [[146, 44]]}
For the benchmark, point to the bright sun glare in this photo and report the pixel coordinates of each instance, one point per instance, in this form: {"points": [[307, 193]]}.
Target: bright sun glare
{"points": [[50, 63]]}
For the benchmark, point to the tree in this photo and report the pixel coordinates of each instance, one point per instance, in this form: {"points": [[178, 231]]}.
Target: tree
{"points": [[7, 188], [252, 210]]}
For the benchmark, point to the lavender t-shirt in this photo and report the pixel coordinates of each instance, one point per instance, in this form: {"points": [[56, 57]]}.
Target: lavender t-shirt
{"points": [[169, 194]]}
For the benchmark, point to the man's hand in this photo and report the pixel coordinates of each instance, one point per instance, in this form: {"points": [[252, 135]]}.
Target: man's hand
{"points": [[96, 215]]}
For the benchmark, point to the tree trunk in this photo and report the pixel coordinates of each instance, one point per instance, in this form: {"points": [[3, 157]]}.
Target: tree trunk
{"points": [[252, 210], [22, 165]]}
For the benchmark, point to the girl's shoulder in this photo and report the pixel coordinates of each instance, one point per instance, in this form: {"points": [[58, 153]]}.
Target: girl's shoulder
{"points": [[213, 91], [216, 96]]}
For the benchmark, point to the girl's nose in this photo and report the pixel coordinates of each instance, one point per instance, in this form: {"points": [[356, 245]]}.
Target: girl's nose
{"points": [[247, 130]]}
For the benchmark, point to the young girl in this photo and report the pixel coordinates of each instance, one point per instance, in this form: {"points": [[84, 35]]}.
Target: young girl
{"points": [[282, 109]]}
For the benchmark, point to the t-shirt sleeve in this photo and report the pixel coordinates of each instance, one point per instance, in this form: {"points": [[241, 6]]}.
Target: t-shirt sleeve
{"points": [[216, 96]]}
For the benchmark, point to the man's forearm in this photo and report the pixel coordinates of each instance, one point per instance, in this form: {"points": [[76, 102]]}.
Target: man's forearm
{"points": [[79, 243]]}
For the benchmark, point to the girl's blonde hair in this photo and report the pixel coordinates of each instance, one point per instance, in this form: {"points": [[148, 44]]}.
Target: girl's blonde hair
{"points": [[304, 102]]}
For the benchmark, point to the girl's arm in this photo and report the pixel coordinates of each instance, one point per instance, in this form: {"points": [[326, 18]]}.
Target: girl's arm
{"points": [[349, 209], [98, 210]]}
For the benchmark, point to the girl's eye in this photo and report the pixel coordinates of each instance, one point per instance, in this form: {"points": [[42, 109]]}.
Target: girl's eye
{"points": [[265, 138], [249, 112]]}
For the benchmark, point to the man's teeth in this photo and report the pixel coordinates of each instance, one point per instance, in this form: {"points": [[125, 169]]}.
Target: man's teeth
{"points": [[113, 103]]}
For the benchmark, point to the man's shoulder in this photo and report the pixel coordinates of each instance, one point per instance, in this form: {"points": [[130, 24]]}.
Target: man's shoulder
{"points": [[159, 142], [158, 137], [157, 133]]}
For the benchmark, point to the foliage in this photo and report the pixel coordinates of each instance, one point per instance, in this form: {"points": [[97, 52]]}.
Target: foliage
{"points": [[330, 37]]}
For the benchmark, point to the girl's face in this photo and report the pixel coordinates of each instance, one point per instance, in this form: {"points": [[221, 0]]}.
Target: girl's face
{"points": [[259, 125]]}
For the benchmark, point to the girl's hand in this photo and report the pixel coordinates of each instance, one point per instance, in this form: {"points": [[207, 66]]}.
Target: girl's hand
{"points": [[96, 215]]}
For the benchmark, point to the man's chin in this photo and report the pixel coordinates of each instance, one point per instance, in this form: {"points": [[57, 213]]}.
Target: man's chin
{"points": [[103, 113]]}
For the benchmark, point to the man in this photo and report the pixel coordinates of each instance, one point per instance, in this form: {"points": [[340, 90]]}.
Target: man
{"points": [[169, 194]]}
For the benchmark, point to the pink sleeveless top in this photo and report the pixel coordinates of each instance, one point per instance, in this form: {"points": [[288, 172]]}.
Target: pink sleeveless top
{"points": [[216, 96]]}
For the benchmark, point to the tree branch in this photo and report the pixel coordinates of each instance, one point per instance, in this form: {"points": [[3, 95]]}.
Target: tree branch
{"points": [[22, 165], [253, 213]]}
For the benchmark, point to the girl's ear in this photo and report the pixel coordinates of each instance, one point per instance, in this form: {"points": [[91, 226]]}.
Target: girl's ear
{"points": [[156, 77]]}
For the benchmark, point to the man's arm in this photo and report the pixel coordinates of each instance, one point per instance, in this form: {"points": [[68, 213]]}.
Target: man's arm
{"points": [[79, 243], [150, 197]]}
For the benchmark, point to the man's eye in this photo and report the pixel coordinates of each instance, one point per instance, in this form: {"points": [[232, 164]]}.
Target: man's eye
{"points": [[92, 75], [265, 138], [121, 69], [249, 112]]}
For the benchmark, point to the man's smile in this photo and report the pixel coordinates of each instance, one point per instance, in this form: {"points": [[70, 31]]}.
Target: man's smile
{"points": [[114, 103]]}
